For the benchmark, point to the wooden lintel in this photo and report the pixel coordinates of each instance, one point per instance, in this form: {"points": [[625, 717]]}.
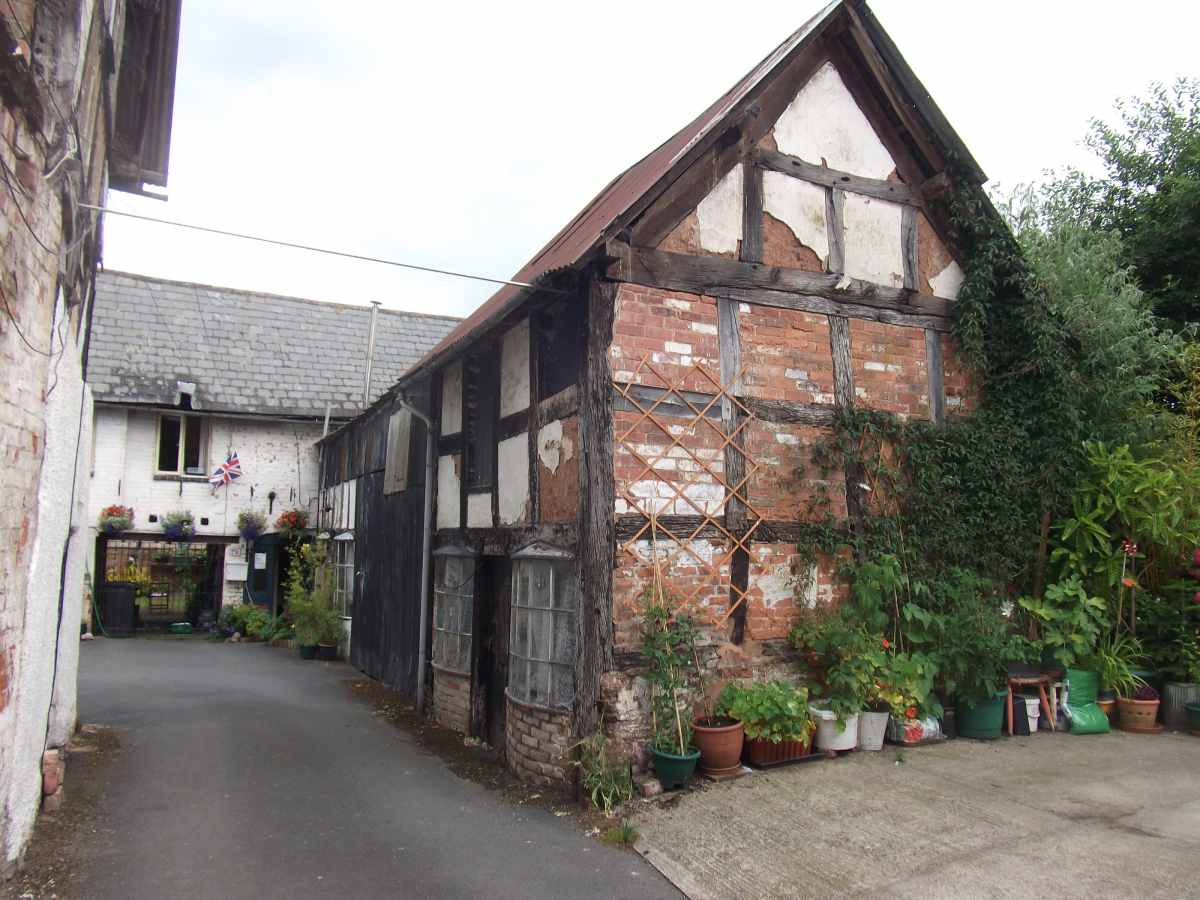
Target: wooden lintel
{"points": [[715, 275], [558, 406], [777, 412], [894, 191]]}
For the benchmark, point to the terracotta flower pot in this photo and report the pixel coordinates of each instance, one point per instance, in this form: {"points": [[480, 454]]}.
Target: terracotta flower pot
{"points": [[759, 752], [1138, 715], [720, 745]]}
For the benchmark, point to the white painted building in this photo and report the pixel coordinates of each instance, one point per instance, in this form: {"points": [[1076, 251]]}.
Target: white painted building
{"points": [[185, 376]]}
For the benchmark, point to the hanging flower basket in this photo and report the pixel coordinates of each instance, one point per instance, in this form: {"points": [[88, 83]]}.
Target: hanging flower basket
{"points": [[115, 519], [178, 526], [292, 522], [251, 524]]}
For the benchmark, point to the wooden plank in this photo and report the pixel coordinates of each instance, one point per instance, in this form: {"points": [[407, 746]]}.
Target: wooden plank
{"points": [[729, 342], [839, 348], [505, 540], [716, 275], [933, 366], [597, 497], [785, 412], [893, 191], [630, 524], [752, 213], [535, 375], [558, 406], [512, 425], [835, 228], [821, 306], [908, 239]]}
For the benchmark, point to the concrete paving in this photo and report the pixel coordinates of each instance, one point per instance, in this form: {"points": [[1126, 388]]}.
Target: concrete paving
{"points": [[246, 772], [1052, 815]]}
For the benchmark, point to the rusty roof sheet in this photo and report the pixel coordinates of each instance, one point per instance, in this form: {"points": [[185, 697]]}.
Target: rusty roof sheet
{"points": [[587, 229]]}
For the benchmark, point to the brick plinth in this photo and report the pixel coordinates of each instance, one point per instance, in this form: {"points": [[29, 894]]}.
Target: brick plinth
{"points": [[538, 742], [452, 699]]}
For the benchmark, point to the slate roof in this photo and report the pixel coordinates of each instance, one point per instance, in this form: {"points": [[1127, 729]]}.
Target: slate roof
{"points": [[246, 352]]}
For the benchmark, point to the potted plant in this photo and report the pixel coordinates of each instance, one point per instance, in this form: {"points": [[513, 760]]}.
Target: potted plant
{"points": [[666, 639], [251, 524], [776, 718], [1181, 666], [1115, 660], [1138, 713], [178, 526], [976, 648], [903, 690], [291, 523], [329, 633], [718, 734], [849, 680], [306, 619], [115, 519]]}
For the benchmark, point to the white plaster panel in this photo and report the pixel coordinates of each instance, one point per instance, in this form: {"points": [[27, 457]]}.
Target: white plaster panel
{"points": [[479, 510], [452, 391], [513, 479], [514, 369], [948, 282], [824, 123], [874, 247], [719, 215], [801, 206], [448, 503], [552, 448]]}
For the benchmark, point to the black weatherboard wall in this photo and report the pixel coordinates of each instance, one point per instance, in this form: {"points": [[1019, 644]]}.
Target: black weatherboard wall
{"points": [[387, 537]]}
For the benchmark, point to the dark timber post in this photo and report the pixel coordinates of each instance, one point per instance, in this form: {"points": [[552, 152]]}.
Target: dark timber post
{"points": [[597, 491]]}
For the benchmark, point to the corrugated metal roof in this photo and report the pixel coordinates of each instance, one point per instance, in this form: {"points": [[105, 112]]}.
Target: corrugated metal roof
{"points": [[588, 228], [246, 352]]}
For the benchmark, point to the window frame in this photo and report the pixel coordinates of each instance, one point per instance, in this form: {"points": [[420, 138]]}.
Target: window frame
{"points": [[344, 574], [202, 454], [461, 624], [559, 565]]}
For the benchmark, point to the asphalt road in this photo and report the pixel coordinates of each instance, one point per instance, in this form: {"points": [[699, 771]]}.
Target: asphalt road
{"points": [[246, 772]]}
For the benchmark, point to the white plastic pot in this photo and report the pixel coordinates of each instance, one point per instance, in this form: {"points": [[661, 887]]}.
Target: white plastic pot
{"points": [[871, 728], [830, 736], [1033, 709]]}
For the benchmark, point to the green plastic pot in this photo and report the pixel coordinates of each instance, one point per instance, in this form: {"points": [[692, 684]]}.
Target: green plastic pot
{"points": [[1193, 717], [308, 651], [673, 771], [982, 721]]}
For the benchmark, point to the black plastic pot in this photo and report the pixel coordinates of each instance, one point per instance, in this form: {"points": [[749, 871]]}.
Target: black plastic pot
{"points": [[949, 723], [326, 651]]}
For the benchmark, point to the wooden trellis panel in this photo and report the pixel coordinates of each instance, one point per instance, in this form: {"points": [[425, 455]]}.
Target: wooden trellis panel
{"points": [[699, 415]]}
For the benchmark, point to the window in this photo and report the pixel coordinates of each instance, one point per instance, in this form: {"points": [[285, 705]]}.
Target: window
{"points": [[343, 574], [182, 445], [482, 399], [395, 472], [453, 609], [545, 595]]}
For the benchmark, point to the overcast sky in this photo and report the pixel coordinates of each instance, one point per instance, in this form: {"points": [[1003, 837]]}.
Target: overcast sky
{"points": [[464, 135]]}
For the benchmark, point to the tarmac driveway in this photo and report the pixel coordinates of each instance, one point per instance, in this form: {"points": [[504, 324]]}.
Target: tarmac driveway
{"points": [[246, 772], [1052, 815]]}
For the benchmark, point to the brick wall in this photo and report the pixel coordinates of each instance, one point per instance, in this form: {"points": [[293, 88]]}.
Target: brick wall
{"points": [[538, 744], [452, 700], [888, 364]]}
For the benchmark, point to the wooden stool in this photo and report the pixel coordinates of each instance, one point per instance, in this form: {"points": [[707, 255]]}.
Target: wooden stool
{"points": [[1041, 682]]}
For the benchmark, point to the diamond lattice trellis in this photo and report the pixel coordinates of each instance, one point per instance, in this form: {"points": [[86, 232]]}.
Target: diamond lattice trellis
{"points": [[661, 466]]}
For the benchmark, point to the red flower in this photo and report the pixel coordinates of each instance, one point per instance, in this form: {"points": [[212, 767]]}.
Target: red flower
{"points": [[1129, 547], [1128, 582], [911, 712], [1196, 597], [886, 644]]}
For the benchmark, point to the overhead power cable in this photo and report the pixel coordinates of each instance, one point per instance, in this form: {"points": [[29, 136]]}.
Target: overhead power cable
{"points": [[312, 249]]}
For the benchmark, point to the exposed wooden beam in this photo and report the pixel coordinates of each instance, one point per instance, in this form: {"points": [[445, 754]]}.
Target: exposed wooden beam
{"points": [[752, 213], [597, 498], [786, 412], [778, 412], [715, 275], [894, 191], [908, 241], [933, 366], [839, 350], [835, 228], [729, 342]]}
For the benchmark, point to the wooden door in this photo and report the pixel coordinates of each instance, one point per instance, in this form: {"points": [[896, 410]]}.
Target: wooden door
{"points": [[493, 602]]}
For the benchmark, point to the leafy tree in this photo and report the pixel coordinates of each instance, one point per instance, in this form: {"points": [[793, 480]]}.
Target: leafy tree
{"points": [[1149, 195]]}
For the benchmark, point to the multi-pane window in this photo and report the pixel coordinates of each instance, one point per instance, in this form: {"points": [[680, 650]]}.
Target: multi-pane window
{"points": [[343, 575], [453, 610], [181, 445], [545, 595]]}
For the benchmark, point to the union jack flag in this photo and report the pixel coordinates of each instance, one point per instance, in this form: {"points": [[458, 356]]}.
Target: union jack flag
{"points": [[226, 471]]}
